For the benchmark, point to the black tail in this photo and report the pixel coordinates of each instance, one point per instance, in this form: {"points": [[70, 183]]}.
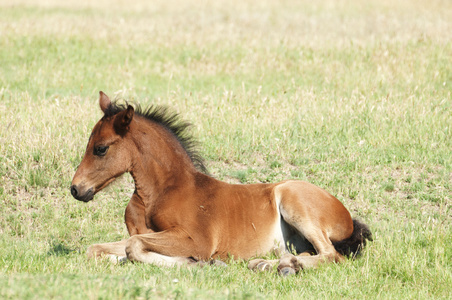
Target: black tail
{"points": [[356, 242]]}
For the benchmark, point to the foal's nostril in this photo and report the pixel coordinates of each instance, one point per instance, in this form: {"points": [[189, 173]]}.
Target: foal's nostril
{"points": [[74, 191]]}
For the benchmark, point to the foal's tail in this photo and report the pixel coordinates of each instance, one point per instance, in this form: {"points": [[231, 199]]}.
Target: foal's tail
{"points": [[353, 245]]}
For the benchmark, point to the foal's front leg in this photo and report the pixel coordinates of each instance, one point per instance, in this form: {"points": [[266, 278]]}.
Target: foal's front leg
{"points": [[166, 248], [115, 252]]}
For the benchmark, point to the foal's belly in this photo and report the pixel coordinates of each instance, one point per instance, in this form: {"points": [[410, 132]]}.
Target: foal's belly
{"points": [[257, 239], [251, 222]]}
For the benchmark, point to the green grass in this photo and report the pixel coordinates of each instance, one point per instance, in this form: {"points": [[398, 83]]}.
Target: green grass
{"points": [[352, 96]]}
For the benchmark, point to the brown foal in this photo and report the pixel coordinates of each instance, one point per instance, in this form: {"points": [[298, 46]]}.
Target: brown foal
{"points": [[180, 215]]}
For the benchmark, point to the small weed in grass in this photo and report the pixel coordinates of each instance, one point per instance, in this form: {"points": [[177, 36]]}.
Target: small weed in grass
{"points": [[241, 175], [275, 164], [38, 177], [388, 186], [298, 174], [299, 161]]}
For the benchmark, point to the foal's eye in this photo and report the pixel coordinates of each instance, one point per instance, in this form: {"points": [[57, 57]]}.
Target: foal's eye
{"points": [[100, 150]]}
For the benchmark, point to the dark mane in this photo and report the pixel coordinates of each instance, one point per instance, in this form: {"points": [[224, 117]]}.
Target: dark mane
{"points": [[172, 122]]}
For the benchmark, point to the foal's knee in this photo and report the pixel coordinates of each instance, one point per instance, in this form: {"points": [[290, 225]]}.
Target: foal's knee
{"points": [[338, 258], [133, 246]]}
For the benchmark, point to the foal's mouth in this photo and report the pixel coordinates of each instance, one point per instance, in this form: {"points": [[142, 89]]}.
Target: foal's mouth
{"points": [[88, 195], [85, 197]]}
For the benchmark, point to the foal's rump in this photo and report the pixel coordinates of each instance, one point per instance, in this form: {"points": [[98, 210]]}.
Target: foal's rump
{"points": [[317, 217]]}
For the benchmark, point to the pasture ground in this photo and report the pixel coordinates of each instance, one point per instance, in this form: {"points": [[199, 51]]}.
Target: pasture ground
{"points": [[354, 96]]}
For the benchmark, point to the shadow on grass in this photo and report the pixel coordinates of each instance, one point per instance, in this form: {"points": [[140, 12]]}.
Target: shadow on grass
{"points": [[58, 249]]}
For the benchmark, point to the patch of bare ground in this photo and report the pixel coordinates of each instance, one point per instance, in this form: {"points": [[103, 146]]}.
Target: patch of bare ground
{"points": [[407, 194]]}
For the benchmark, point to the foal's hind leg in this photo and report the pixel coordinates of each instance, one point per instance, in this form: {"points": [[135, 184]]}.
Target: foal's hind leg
{"points": [[317, 216], [115, 252], [325, 253], [263, 265]]}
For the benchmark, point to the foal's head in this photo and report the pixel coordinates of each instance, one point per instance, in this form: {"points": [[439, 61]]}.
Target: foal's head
{"points": [[107, 153], [124, 134]]}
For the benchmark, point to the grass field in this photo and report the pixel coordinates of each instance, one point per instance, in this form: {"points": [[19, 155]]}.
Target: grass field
{"points": [[354, 96]]}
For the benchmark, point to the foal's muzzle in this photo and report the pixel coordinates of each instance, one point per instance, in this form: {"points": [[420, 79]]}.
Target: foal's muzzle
{"points": [[84, 196]]}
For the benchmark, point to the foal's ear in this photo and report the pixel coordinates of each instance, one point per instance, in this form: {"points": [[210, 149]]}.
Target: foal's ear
{"points": [[123, 119], [104, 101]]}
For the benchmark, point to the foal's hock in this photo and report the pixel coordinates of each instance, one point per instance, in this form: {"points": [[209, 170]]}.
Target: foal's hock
{"points": [[180, 215]]}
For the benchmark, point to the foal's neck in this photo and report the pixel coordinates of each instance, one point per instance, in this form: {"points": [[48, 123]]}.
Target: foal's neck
{"points": [[160, 162]]}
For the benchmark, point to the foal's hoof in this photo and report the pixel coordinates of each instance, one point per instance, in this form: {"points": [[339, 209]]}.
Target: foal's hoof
{"points": [[213, 262], [263, 267], [117, 260], [259, 265], [218, 263], [287, 271]]}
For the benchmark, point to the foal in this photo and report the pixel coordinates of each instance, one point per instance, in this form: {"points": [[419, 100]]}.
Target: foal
{"points": [[180, 215]]}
